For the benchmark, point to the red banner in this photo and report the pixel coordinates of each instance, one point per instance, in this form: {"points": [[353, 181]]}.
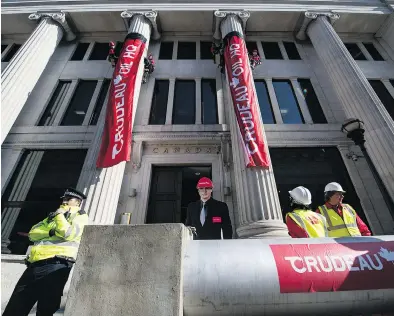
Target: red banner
{"points": [[334, 267], [116, 140], [245, 102]]}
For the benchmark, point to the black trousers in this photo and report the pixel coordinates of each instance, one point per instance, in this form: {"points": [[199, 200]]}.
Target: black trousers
{"points": [[40, 282]]}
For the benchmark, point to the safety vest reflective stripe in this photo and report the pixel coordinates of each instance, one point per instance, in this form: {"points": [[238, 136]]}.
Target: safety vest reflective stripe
{"points": [[313, 230], [299, 221], [57, 242], [325, 224], [331, 227]]}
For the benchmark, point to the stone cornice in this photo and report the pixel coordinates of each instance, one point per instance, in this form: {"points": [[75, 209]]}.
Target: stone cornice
{"points": [[387, 26], [150, 15], [173, 137], [309, 16], [59, 17], [361, 6]]}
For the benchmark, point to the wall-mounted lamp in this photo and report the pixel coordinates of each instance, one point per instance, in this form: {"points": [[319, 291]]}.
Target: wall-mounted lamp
{"points": [[227, 191], [133, 192]]}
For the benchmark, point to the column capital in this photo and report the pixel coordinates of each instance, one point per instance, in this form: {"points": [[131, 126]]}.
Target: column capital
{"points": [[309, 16], [219, 16], [151, 16], [59, 17]]}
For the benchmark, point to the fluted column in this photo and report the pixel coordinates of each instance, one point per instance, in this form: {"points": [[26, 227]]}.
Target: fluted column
{"points": [[102, 186], [23, 71], [18, 193], [259, 210], [358, 98]]}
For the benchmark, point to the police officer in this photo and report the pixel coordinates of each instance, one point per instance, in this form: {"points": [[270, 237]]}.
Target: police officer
{"points": [[56, 240], [302, 222], [342, 219]]}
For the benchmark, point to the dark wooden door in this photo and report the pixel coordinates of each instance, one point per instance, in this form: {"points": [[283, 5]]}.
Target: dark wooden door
{"points": [[165, 196]]}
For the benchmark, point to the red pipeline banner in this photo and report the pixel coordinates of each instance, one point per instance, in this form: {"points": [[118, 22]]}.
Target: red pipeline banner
{"points": [[245, 101], [335, 267], [116, 139]]}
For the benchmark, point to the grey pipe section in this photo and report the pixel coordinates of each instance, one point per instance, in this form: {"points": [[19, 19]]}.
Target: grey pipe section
{"points": [[240, 277]]}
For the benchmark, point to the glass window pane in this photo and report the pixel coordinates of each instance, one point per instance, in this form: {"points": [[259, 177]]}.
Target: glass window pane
{"points": [[288, 104], [55, 103], [272, 50], [312, 101], [158, 110], [100, 51], [184, 110], [57, 170], [100, 102], [264, 102], [250, 46], [209, 104], [291, 50], [186, 50], [3, 47], [205, 50], [166, 49], [384, 96], [355, 51], [80, 51], [79, 104], [11, 53], [373, 51]]}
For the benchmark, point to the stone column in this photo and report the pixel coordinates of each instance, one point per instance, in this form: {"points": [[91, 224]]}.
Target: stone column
{"points": [[102, 186], [259, 210], [23, 71], [18, 193], [358, 98]]}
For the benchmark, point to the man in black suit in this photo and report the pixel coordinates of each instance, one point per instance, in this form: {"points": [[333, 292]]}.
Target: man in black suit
{"points": [[208, 215]]}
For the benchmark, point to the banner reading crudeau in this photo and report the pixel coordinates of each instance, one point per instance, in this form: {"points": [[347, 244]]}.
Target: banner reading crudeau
{"points": [[116, 139], [245, 100], [334, 267]]}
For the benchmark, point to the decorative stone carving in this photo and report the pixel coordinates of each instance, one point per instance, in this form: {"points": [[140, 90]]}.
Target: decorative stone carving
{"points": [[226, 152], [137, 154], [180, 149], [151, 16], [176, 136], [309, 17], [59, 17], [220, 15]]}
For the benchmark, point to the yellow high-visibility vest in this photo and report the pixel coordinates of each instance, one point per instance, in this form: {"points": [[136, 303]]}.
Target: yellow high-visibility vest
{"points": [[338, 226], [65, 241], [313, 223]]}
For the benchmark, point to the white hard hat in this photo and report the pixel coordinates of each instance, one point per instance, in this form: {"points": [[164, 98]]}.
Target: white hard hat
{"points": [[301, 195], [333, 186]]}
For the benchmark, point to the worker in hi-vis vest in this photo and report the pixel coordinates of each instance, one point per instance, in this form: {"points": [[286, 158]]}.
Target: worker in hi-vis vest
{"points": [[342, 219], [56, 240], [302, 222]]}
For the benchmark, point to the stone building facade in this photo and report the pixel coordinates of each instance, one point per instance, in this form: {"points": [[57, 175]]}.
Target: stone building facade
{"points": [[322, 63]]}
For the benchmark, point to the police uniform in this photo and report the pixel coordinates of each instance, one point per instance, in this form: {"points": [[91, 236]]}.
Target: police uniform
{"points": [[56, 240]]}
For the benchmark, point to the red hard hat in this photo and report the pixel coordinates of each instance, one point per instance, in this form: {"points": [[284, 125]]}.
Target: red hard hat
{"points": [[204, 182]]}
